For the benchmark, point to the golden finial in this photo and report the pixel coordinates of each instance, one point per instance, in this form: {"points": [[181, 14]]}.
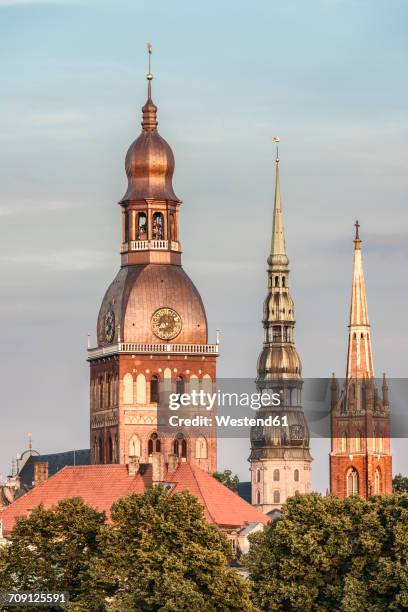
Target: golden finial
{"points": [[149, 55], [276, 140]]}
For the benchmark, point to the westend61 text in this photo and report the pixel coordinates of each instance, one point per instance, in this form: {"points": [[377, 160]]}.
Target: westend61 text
{"points": [[208, 400], [228, 421]]}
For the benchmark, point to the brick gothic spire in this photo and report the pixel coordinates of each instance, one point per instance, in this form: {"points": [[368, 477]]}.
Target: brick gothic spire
{"points": [[280, 458], [360, 457], [359, 357]]}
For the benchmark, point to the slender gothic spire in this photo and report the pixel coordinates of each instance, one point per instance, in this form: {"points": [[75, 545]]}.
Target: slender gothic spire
{"points": [[359, 359], [278, 248], [278, 359]]}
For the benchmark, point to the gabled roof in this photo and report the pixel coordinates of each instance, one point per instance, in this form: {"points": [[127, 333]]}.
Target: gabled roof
{"points": [[221, 505], [56, 461], [101, 485]]}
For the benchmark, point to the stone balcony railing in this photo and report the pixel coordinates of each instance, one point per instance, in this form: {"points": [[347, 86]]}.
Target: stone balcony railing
{"points": [[146, 245], [153, 349]]}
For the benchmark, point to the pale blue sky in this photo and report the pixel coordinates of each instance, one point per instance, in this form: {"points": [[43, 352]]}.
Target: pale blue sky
{"points": [[328, 76]]}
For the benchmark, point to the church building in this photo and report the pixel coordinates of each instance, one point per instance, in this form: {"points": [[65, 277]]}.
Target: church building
{"points": [[152, 336], [360, 457]]}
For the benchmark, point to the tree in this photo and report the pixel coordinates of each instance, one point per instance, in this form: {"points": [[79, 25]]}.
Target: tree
{"points": [[227, 479], [161, 554], [52, 549], [332, 554], [400, 484]]}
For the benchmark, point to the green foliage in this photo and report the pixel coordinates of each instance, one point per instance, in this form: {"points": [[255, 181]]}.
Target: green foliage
{"points": [[161, 554], [227, 479], [400, 484], [330, 554], [52, 549]]}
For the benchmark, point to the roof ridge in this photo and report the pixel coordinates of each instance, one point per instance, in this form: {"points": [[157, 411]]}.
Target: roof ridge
{"points": [[201, 492]]}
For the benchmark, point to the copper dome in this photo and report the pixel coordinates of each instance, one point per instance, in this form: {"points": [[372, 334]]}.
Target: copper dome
{"points": [[139, 291], [149, 161]]}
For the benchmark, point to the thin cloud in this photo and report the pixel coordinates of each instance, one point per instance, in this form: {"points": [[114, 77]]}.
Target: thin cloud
{"points": [[65, 261], [34, 206], [4, 3]]}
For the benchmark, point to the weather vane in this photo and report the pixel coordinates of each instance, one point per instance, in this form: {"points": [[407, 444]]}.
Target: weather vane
{"points": [[276, 140]]}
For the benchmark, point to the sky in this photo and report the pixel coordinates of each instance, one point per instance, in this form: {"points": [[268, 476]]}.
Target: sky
{"points": [[327, 76]]}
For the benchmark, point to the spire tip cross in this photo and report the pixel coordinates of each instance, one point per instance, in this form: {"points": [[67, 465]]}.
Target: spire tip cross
{"points": [[357, 226]]}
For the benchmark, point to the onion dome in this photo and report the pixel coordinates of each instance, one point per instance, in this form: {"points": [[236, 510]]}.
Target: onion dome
{"points": [[149, 161]]}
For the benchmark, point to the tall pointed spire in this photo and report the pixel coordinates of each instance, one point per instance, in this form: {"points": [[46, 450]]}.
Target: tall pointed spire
{"points": [[278, 247], [278, 359], [280, 457], [359, 358]]}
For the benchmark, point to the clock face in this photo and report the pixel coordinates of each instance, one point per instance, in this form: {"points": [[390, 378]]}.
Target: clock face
{"points": [[110, 325], [166, 323]]}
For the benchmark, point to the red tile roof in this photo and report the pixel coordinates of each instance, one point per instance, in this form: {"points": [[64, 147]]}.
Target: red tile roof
{"points": [[221, 505], [101, 485]]}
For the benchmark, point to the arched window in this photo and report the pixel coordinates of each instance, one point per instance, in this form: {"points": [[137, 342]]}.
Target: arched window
{"points": [[258, 476], [352, 482], [193, 383], [201, 448], [296, 475], [344, 442], [180, 385], [126, 226], [276, 496], [167, 385], [207, 387], [142, 226], [357, 442], [95, 451], [116, 449], [100, 386], [158, 226], [141, 389], [172, 227], [258, 497], [377, 482], [108, 390], [110, 450], [180, 446], [154, 390], [276, 475], [128, 389], [276, 333], [134, 446], [153, 444], [100, 450], [276, 281]]}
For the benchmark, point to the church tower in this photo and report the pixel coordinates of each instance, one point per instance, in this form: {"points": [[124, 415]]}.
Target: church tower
{"points": [[152, 333], [280, 460], [360, 458]]}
